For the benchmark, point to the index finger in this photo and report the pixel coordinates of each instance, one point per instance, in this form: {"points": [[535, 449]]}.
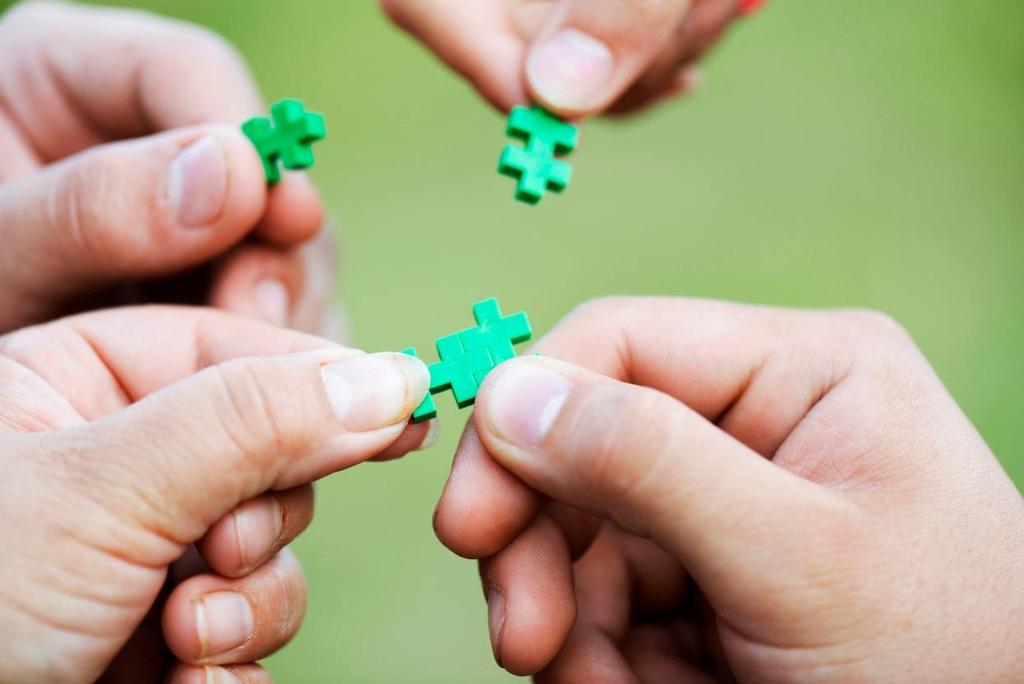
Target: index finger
{"points": [[108, 74]]}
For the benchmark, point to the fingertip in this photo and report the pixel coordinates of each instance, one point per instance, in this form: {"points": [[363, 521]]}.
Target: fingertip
{"points": [[247, 192], [294, 211], [415, 437], [211, 674], [483, 506], [533, 579]]}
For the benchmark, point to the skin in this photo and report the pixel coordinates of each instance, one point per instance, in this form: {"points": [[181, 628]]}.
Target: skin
{"points": [[95, 107], [692, 491], [136, 496], [645, 50]]}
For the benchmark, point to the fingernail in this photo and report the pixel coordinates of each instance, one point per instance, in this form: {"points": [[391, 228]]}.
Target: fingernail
{"points": [[271, 298], [748, 7], [571, 70], [224, 622], [197, 183], [495, 619], [376, 390], [524, 402], [689, 79], [208, 675], [258, 525], [221, 675], [433, 434]]}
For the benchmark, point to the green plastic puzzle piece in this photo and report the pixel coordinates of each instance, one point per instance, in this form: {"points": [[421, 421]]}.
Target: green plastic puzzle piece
{"points": [[287, 139], [536, 165], [467, 356]]}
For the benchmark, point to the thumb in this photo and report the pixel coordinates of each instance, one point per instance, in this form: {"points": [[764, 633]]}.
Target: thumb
{"points": [[647, 462], [124, 211], [591, 51], [183, 457]]}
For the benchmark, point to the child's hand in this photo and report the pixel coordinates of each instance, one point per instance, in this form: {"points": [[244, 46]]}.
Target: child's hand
{"points": [[790, 496], [576, 57], [89, 218], [128, 435]]}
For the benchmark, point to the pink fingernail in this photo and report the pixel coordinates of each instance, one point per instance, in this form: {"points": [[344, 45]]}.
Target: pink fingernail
{"points": [[224, 621], [572, 70], [524, 402], [197, 183]]}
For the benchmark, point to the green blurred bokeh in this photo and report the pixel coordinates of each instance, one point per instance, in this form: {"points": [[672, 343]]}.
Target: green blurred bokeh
{"points": [[862, 154]]}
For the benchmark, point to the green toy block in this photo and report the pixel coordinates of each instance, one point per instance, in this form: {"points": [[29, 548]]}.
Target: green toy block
{"points": [[287, 140], [467, 356], [536, 165]]}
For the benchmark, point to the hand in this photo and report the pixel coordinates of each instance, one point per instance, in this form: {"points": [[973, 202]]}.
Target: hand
{"points": [[576, 57], [712, 491], [92, 215], [116, 458]]}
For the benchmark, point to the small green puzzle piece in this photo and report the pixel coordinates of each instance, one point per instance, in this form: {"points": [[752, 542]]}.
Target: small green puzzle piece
{"points": [[466, 357], [536, 165], [288, 139]]}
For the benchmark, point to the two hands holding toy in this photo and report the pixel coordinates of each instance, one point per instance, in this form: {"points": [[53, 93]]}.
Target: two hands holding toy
{"points": [[675, 490]]}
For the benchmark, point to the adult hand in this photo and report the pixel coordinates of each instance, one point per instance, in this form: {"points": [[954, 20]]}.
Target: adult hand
{"points": [[576, 57], [122, 163], [114, 459], [711, 491]]}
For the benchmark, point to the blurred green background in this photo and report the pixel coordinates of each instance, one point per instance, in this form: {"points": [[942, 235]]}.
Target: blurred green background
{"points": [[862, 154]]}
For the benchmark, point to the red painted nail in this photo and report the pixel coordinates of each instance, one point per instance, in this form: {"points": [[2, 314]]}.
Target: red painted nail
{"points": [[748, 7]]}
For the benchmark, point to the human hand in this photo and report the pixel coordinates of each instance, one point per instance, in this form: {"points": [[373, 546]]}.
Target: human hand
{"points": [[113, 462], [576, 57], [92, 214], [718, 491]]}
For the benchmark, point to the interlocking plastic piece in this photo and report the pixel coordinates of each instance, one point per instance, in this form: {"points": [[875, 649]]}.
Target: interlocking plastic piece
{"points": [[288, 139], [536, 165], [466, 357]]}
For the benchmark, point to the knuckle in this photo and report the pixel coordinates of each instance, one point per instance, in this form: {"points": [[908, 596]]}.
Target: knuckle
{"points": [[877, 325], [208, 44], [620, 458], [24, 14], [620, 18], [601, 310], [247, 411], [88, 226]]}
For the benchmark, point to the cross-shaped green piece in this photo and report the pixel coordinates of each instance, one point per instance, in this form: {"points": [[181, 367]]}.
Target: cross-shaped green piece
{"points": [[288, 139], [466, 357], [536, 165]]}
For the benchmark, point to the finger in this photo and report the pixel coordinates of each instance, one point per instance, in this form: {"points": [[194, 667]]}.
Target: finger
{"points": [[232, 431], [591, 652], [102, 362], [294, 213], [529, 592], [126, 211], [619, 577], [755, 371], [416, 437], [212, 674], [654, 656], [211, 620], [252, 533], [477, 39], [286, 287], [483, 506], [107, 74], [673, 72], [650, 464], [591, 51]]}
